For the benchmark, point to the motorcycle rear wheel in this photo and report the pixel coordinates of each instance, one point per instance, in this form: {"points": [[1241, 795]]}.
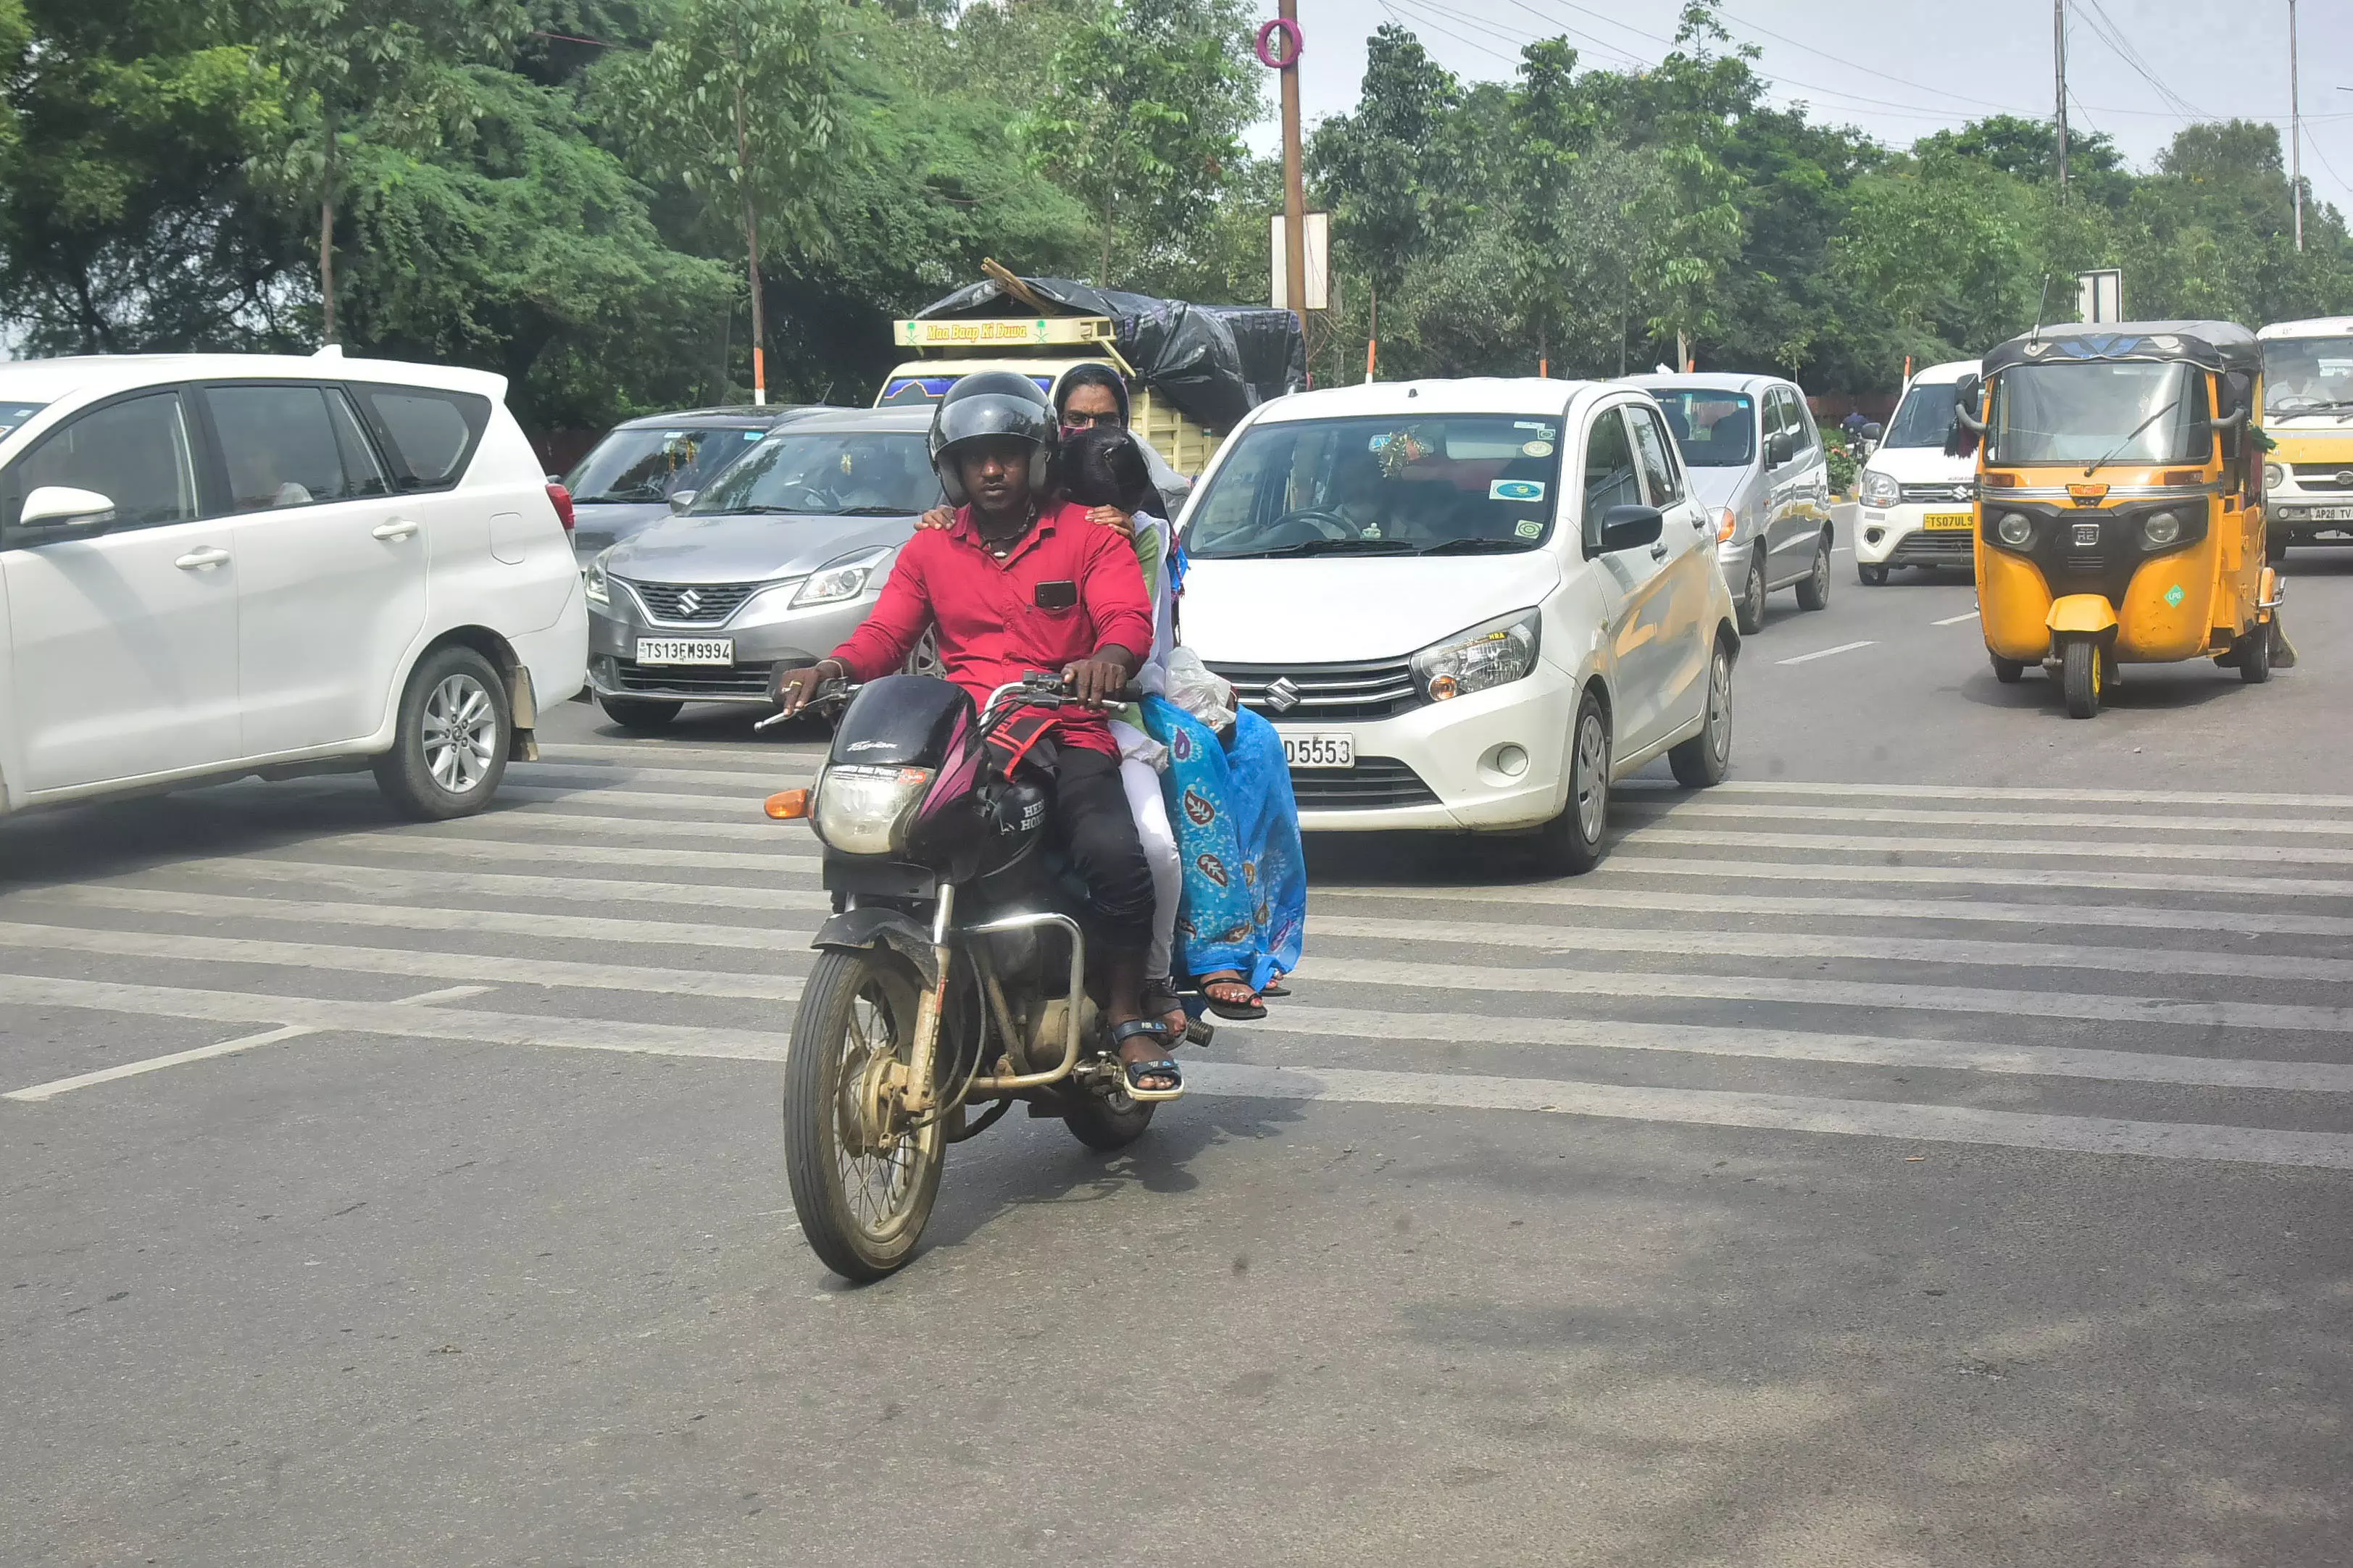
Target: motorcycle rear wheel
{"points": [[1106, 1123], [862, 1193]]}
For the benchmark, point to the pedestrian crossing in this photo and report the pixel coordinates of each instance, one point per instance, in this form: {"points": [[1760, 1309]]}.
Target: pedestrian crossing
{"points": [[2134, 973]]}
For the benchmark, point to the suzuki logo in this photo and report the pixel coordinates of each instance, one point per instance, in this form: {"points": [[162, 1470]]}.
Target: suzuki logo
{"points": [[689, 602], [2345, 478], [1281, 695]]}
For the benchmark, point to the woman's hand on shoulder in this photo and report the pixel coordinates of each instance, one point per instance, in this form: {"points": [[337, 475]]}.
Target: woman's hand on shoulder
{"points": [[938, 517], [1119, 522]]}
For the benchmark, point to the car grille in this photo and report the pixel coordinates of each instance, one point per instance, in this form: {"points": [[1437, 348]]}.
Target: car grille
{"points": [[1940, 547], [2322, 476], [1372, 783], [701, 680], [1374, 690], [693, 604], [1928, 495]]}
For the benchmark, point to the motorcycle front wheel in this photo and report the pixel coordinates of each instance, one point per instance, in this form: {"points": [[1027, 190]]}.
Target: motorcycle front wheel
{"points": [[863, 1180]]}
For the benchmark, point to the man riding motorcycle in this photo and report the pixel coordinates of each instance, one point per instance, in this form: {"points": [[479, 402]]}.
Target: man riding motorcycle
{"points": [[1018, 582]]}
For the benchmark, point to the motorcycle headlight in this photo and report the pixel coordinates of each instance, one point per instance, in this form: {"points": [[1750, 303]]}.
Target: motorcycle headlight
{"points": [[596, 584], [865, 811], [1879, 489], [1493, 653], [2160, 530], [840, 580], [2275, 476], [2015, 530]]}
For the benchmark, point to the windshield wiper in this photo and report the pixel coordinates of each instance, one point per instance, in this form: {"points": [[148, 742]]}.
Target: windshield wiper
{"points": [[1480, 547], [871, 511], [621, 496], [2102, 462], [1342, 547]]}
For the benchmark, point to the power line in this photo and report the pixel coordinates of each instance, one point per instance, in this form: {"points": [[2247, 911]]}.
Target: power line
{"points": [[2104, 27]]}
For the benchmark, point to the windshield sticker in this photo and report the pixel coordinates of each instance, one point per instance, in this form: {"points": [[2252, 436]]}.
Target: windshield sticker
{"points": [[1516, 489], [1528, 528], [1531, 425], [1535, 449], [754, 435]]}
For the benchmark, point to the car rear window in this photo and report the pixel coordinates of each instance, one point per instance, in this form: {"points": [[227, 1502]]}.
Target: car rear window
{"points": [[649, 462], [1712, 430], [432, 433]]}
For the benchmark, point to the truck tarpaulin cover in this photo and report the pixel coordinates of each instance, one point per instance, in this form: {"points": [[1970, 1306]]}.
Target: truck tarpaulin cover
{"points": [[1215, 362]]}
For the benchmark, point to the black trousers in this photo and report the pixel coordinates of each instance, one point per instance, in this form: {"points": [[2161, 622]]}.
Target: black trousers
{"points": [[1096, 833]]}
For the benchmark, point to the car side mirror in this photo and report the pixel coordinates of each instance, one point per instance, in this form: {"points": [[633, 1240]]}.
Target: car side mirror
{"points": [[681, 499], [63, 507], [1781, 447], [1629, 527]]}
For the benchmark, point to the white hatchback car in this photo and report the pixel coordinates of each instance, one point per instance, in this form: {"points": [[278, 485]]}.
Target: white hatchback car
{"points": [[1919, 504], [1465, 605], [213, 565]]}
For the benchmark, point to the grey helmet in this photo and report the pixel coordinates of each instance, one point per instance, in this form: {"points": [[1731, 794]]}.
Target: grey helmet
{"points": [[988, 405]]}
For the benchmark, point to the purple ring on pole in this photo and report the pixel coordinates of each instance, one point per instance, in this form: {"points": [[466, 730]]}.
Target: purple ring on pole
{"points": [[1290, 30]]}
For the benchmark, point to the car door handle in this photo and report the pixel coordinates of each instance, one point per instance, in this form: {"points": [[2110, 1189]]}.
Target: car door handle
{"points": [[399, 528], [202, 556], [1659, 550]]}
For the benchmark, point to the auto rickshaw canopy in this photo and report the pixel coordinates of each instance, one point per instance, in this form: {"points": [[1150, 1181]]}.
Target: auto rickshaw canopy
{"points": [[2219, 346]]}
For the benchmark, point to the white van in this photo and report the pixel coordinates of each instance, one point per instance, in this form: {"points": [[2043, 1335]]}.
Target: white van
{"points": [[1920, 505], [221, 564], [1465, 605]]}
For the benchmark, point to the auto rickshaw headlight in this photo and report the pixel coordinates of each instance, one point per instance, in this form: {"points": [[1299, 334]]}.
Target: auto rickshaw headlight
{"points": [[2160, 530], [2015, 530], [2275, 476]]}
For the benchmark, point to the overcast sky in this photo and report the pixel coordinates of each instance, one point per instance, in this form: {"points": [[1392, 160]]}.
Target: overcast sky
{"points": [[1902, 68]]}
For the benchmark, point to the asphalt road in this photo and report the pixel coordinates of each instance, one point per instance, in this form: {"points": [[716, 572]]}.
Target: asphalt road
{"points": [[1933, 1147]]}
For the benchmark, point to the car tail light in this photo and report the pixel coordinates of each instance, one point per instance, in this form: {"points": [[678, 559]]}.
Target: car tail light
{"points": [[1728, 527], [563, 499]]}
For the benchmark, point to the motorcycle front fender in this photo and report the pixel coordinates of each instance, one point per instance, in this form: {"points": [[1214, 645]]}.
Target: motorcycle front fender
{"points": [[885, 929]]}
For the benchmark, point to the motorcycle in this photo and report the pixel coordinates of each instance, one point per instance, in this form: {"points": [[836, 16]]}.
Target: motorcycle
{"points": [[950, 980]]}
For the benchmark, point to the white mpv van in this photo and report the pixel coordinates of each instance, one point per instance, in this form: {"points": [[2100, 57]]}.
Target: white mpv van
{"points": [[1919, 505], [1465, 605], [221, 564]]}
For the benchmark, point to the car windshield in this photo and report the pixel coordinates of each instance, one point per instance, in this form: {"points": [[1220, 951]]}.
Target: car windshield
{"points": [[835, 473], [2128, 412], [2307, 375], [1712, 430], [1454, 484], [1925, 418], [648, 462], [14, 413]]}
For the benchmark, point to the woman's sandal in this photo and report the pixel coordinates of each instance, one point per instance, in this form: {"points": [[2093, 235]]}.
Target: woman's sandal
{"points": [[1224, 1006], [1275, 987], [1131, 1071]]}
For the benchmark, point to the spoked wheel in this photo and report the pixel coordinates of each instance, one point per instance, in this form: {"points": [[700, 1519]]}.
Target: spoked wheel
{"points": [[2083, 676], [1107, 1122], [862, 1178]]}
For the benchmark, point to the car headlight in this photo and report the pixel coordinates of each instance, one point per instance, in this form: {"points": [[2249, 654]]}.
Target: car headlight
{"points": [[595, 585], [1879, 489], [2160, 530], [2275, 476], [865, 811], [2015, 530], [1492, 654], [840, 580]]}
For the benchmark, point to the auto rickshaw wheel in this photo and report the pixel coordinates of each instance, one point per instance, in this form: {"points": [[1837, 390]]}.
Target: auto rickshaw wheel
{"points": [[2082, 676], [2008, 672], [2254, 654]]}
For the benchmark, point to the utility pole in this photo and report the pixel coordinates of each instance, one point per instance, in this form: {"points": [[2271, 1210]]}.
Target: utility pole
{"points": [[2296, 128], [1295, 183], [2059, 62]]}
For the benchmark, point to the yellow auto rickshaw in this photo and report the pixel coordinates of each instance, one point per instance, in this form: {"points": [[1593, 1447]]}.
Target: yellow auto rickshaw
{"points": [[2120, 502]]}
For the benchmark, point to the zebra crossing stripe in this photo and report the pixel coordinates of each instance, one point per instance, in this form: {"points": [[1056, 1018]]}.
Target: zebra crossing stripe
{"points": [[2133, 821], [2004, 792], [2007, 848]]}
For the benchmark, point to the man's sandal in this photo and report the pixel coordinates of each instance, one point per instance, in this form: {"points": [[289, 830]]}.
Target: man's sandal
{"points": [[1131, 1071], [1225, 1006]]}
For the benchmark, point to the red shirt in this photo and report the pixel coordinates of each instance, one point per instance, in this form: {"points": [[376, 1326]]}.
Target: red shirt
{"points": [[992, 631]]}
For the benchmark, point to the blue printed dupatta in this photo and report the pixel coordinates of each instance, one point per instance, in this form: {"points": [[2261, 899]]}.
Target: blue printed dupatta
{"points": [[1245, 903]]}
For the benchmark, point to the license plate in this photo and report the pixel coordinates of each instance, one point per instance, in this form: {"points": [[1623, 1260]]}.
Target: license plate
{"points": [[686, 650], [1320, 751], [2317, 514], [1944, 521]]}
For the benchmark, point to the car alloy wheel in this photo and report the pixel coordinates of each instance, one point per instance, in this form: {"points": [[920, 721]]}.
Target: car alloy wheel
{"points": [[459, 734]]}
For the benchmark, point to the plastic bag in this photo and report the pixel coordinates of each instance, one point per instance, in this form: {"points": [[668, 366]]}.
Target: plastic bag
{"points": [[1191, 685]]}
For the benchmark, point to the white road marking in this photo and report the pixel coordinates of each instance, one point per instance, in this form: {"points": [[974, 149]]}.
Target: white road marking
{"points": [[2110, 849], [1630, 858], [1826, 652], [765, 783], [377, 881], [2165, 960], [626, 752], [571, 853], [1955, 620], [1794, 1113], [497, 969], [1341, 1024], [1782, 1113], [2016, 821], [2004, 792], [57, 1087]]}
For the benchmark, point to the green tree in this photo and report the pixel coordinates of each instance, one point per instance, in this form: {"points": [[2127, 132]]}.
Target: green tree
{"points": [[1383, 171], [1553, 127], [737, 103], [1144, 106]]}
